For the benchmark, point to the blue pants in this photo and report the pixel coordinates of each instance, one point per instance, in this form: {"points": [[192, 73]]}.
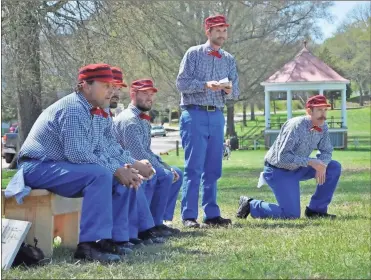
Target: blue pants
{"points": [[286, 188], [202, 134], [141, 219], [162, 194], [105, 208]]}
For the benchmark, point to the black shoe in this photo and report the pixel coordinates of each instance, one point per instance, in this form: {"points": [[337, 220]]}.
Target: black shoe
{"points": [[216, 222], [126, 244], [313, 214], [162, 232], [190, 223], [244, 207], [110, 246], [152, 235], [172, 230], [137, 242], [91, 251]]}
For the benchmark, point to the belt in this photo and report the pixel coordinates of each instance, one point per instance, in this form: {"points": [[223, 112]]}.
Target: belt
{"points": [[208, 108], [267, 164], [24, 158]]}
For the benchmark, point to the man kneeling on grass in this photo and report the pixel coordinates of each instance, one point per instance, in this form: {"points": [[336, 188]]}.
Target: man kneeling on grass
{"points": [[287, 163]]}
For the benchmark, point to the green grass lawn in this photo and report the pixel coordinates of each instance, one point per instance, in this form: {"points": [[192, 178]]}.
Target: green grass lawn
{"points": [[250, 248]]}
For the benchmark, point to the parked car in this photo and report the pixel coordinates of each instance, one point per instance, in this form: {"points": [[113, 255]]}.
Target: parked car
{"points": [[9, 145], [158, 131]]}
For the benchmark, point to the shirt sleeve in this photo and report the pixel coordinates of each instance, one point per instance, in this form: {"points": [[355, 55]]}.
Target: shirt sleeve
{"points": [[233, 76], [325, 148], [286, 154], [128, 135], [75, 136], [186, 81], [113, 148]]}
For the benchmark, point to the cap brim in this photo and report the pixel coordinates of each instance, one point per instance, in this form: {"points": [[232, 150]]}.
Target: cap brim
{"points": [[219, 24], [121, 84], [103, 80], [148, 88], [320, 105]]}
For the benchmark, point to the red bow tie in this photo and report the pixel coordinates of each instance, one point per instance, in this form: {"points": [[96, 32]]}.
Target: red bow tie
{"points": [[98, 111], [144, 116], [214, 53], [317, 128]]}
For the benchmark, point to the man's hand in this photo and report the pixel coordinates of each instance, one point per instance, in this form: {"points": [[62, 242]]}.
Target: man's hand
{"points": [[128, 176], [145, 168], [176, 175], [227, 90], [320, 177], [213, 85], [320, 168]]}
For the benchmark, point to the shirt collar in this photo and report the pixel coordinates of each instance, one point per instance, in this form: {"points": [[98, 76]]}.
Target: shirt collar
{"points": [[134, 109], [207, 47], [85, 102], [309, 123]]}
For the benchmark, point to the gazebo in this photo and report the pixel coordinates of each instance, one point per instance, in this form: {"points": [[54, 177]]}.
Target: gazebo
{"points": [[305, 72]]}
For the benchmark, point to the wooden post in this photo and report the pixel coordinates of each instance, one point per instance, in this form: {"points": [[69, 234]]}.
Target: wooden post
{"points": [[177, 147]]}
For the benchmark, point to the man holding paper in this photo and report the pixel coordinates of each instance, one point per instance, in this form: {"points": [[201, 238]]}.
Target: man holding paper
{"points": [[207, 78]]}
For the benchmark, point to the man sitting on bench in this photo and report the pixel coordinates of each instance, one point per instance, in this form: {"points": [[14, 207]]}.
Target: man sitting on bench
{"points": [[66, 153], [133, 132]]}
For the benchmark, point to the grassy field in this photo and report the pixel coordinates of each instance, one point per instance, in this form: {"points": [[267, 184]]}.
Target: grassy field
{"points": [[252, 248]]}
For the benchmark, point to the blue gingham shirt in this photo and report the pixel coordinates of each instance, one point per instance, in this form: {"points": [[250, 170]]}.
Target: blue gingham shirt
{"points": [[296, 141], [67, 131], [134, 135], [197, 68]]}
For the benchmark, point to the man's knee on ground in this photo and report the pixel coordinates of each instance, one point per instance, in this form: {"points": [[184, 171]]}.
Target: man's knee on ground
{"points": [[290, 214], [334, 166]]}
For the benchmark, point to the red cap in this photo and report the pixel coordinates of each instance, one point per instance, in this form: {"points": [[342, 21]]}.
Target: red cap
{"points": [[96, 72], [317, 101], [118, 76], [218, 20], [142, 84]]}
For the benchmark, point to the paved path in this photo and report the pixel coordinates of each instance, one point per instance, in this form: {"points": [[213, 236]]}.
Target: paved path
{"points": [[159, 144]]}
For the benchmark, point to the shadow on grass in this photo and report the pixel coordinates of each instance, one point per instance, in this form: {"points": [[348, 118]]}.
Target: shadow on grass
{"points": [[352, 217], [278, 224], [185, 234]]}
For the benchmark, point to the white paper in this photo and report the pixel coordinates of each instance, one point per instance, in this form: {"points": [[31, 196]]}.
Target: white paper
{"points": [[225, 80], [261, 181]]}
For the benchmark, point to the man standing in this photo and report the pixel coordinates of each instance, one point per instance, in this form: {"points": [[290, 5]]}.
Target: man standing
{"points": [[133, 131], [288, 162], [202, 120], [66, 153]]}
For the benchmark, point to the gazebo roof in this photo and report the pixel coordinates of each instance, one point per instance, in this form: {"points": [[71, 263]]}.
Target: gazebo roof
{"points": [[305, 67]]}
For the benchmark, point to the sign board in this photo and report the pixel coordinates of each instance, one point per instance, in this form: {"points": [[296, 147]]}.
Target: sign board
{"points": [[13, 233]]}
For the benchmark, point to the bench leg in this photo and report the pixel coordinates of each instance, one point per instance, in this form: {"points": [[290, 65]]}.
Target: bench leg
{"points": [[67, 227], [42, 221]]}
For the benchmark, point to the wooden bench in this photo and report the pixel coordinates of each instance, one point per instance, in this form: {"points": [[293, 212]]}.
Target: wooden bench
{"points": [[51, 215]]}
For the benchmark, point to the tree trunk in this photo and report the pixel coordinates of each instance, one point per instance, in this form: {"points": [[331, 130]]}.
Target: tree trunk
{"points": [[230, 119], [244, 105], [169, 116], [252, 111], [27, 65], [360, 94], [274, 106]]}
